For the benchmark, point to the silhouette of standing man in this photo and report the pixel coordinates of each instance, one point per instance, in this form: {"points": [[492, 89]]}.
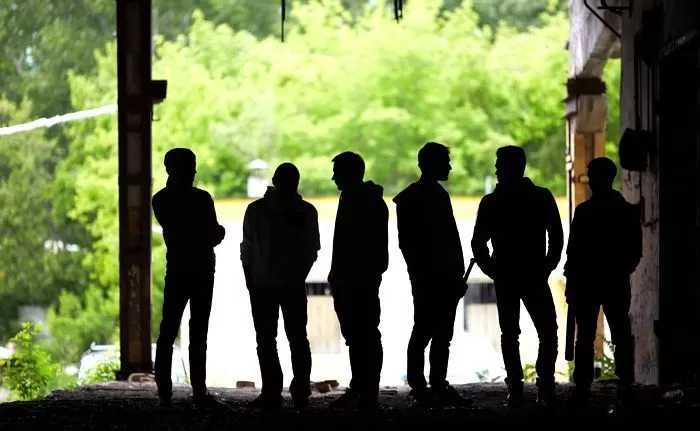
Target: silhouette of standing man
{"points": [[516, 218], [605, 247], [429, 241], [360, 257], [280, 245], [191, 231]]}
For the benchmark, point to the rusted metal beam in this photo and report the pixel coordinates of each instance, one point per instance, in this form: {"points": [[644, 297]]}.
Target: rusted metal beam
{"points": [[135, 116]]}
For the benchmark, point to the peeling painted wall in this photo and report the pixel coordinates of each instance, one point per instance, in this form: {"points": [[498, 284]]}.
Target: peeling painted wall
{"points": [[679, 17]]}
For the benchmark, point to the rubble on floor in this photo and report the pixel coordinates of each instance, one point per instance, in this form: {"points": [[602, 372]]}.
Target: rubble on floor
{"points": [[130, 405]]}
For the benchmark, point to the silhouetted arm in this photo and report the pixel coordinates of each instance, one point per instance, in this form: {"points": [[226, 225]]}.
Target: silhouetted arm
{"points": [[480, 238], [312, 241], [406, 233], [247, 243], [573, 259], [216, 231], [383, 237], [554, 232], [158, 211]]}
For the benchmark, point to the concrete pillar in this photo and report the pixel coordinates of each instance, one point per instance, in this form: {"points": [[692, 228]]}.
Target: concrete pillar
{"points": [[135, 184]]}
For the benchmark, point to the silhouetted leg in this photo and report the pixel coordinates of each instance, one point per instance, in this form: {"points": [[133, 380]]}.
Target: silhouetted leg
{"points": [[420, 337], [368, 337], [539, 304], [265, 307], [174, 301], [616, 309], [294, 309], [586, 326], [444, 319], [508, 305], [344, 305], [200, 309]]}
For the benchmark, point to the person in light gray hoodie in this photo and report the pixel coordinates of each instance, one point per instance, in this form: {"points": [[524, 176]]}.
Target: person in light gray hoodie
{"points": [[280, 245]]}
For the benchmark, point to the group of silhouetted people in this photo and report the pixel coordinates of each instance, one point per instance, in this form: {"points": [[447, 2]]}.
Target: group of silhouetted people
{"points": [[281, 242]]}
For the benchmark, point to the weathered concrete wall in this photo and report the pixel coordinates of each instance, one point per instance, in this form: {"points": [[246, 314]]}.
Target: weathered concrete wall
{"points": [[645, 281], [679, 17], [590, 42]]}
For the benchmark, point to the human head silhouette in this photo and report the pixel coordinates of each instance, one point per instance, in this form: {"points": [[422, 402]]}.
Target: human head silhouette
{"points": [[601, 174], [434, 161], [510, 164], [181, 166], [286, 178], [348, 170]]}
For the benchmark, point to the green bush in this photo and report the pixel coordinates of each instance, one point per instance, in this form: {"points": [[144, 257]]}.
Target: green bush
{"points": [[607, 363], [30, 373], [105, 371]]}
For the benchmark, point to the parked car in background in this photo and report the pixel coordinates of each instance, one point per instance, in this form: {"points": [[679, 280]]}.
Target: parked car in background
{"points": [[99, 354]]}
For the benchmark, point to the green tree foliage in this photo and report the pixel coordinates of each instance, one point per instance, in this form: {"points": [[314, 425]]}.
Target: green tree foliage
{"points": [[30, 373], [35, 261], [521, 14], [77, 321]]}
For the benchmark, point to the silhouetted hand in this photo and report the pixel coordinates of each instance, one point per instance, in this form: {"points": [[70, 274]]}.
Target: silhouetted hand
{"points": [[461, 288], [219, 235], [489, 269]]}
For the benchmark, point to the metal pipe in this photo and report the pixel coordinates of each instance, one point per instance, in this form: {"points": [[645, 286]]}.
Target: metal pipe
{"points": [[600, 18]]}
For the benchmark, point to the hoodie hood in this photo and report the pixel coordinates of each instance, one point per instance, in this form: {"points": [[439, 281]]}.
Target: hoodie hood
{"points": [[171, 184], [417, 188], [372, 189], [610, 195], [368, 190], [281, 200]]}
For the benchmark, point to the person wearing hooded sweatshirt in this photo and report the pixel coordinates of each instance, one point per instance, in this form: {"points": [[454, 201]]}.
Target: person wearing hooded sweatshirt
{"points": [[605, 247], [430, 243], [280, 245], [191, 231], [517, 218], [360, 258]]}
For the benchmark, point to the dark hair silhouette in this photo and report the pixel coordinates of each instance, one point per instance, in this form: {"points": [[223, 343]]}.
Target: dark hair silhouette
{"points": [[602, 171], [432, 153], [178, 158], [286, 177], [434, 162], [351, 163], [512, 161]]}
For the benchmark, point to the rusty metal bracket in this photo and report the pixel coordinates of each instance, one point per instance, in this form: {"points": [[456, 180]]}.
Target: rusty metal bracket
{"points": [[600, 18]]}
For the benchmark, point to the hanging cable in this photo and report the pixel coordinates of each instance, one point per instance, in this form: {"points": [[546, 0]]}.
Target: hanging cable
{"points": [[398, 10], [283, 7], [58, 119]]}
